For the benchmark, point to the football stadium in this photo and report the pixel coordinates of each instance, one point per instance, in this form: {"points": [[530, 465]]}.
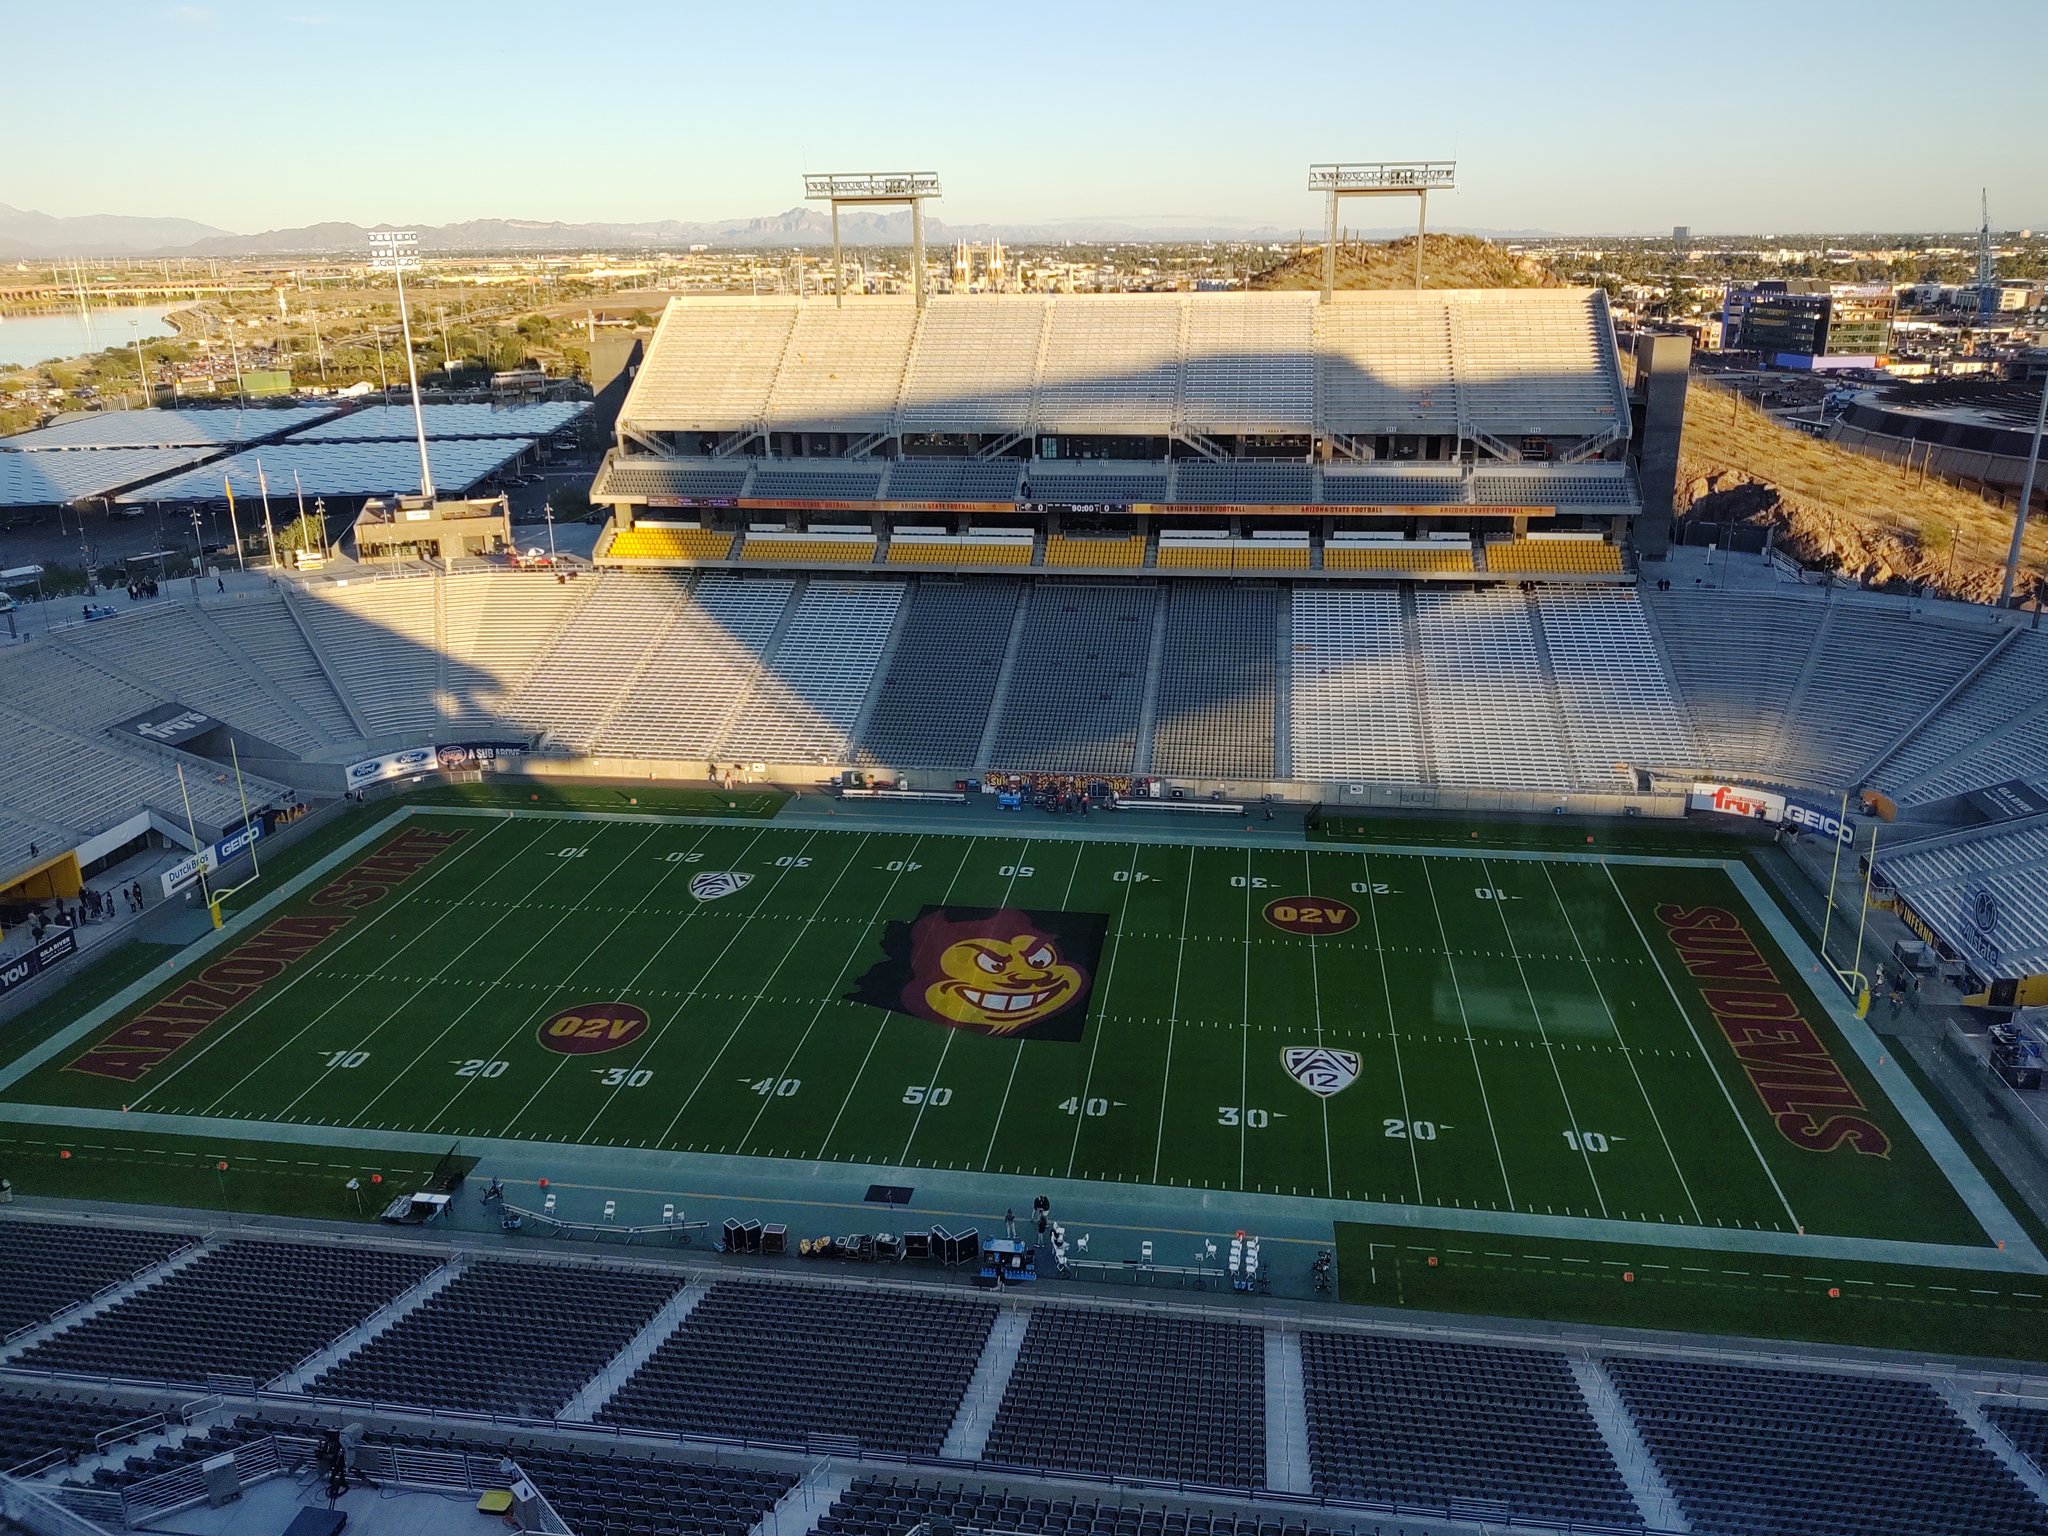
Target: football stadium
{"points": [[1143, 914]]}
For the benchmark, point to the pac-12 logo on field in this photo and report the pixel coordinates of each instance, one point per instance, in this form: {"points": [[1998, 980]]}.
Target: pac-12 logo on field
{"points": [[714, 883], [1311, 914], [592, 1027], [1319, 1069]]}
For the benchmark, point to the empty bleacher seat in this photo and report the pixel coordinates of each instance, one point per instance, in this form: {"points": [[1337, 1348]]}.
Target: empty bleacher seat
{"points": [[789, 549], [1073, 700], [1617, 702], [1397, 559], [1428, 1423], [1217, 675], [698, 668], [777, 1360], [646, 541], [45, 1266], [1493, 715], [954, 480], [907, 549], [804, 708], [1078, 550], [932, 708], [1756, 1452], [1102, 1391], [1548, 556], [248, 1309], [512, 1338], [1352, 708]]}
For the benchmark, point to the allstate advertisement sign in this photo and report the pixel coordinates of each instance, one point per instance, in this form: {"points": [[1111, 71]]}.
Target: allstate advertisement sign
{"points": [[393, 765]]}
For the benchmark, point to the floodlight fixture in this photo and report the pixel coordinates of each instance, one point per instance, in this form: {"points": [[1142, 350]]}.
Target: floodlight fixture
{"points": [[398, 251], [870, 188], [1379, 178]]}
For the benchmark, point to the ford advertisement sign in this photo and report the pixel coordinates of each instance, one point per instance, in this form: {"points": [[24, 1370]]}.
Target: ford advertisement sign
{"points": [[393, 765]]}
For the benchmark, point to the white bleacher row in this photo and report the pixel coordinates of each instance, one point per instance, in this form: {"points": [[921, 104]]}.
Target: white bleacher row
{"points": [[698, 670], [805, 709], [1493, 716], [1353, 699], [1943, 878], [83, 786], [1449, 362], [1617, 702]]}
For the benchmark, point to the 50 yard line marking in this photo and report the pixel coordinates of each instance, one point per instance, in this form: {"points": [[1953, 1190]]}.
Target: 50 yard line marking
{"points": [[1458, 990], [1108, 976], [1016, 863], [853, 1084], [1627, 1055], [832, 993], [1700, 1046]]}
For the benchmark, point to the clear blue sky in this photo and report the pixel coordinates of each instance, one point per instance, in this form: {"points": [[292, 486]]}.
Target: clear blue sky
{"points": [[1793, 115]]}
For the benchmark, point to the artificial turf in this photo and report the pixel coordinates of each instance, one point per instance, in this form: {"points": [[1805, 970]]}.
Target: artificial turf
{"points": [[1523, 1033]]}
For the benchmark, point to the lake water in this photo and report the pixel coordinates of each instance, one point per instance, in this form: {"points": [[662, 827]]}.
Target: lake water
{"points": [[38, 338]]}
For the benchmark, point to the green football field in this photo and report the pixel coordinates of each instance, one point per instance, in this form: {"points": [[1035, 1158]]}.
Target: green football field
{"points": [[1551, 1035]]}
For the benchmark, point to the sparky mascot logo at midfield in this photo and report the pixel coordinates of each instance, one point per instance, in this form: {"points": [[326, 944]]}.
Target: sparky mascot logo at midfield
{"points": [[998, 971]]}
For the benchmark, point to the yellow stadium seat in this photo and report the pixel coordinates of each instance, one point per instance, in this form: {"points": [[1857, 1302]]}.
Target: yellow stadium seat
{"points": [[955, 552], [1062, 549], [1379, 557], [1541, 556], [1271, 557], [1195, 557], [809, 552], [670, 544]]}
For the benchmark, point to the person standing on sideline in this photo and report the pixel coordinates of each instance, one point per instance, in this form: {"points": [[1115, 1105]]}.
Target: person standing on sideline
{"points": [[1010, 1223]]}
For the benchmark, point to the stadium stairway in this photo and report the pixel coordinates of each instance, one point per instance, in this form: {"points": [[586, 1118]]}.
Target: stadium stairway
{"points": [[1148, 701], [1283, 689], [968, 1437], [108, 1299], [1653, 1496], [294, 603], [321, 1361], [1411, 643], [1287, 1453], [1546, 667], [999, 700], [596, 1392], [1970, 1408], [798, 1511]]}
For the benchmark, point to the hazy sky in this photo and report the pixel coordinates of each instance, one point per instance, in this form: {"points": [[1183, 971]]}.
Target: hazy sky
{"points": [[1792, 115]]}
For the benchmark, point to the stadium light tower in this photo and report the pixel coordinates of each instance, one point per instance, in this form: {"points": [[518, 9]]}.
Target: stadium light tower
{"points": [[1379, 178], [396, 250], [885, 188]]}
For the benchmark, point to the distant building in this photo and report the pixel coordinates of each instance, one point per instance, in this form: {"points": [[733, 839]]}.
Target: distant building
{"points": [[1805, 324]]}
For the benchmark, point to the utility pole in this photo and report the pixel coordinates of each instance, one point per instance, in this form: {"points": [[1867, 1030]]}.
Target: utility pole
{"points": [[2019, 521]]}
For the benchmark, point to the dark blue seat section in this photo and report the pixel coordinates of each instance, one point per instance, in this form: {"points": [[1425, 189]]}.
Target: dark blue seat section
{"points": [[248, 1309], [1422, 1422], [504, 1338], [1142, 1395], [2025, 1427], [892, 1506], [33, 1424], [1754, 1452], [779, 1360], [598, 1491], [45, 1266]]}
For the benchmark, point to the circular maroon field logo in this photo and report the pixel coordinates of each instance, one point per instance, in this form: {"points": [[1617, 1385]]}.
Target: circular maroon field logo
{"points": [[1311, 914], [592, 1027]]}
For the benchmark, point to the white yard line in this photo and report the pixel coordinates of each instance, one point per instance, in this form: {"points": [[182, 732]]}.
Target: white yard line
{"points": [[1626, 1054], [1244, 1030], [1108, 976], [497, 984], [1180, 955], [1536, 1012], [1393, 1026], [1700, 1046], [1458, 990], [795, 944], [1017, 1055], [655, 954], [1016, 863], [1315, 977], [853, 1086], [321, 960], [832, 993]]}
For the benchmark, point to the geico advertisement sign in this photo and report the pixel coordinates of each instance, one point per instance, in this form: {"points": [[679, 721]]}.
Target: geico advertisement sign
{"points": [[1812, 818]]}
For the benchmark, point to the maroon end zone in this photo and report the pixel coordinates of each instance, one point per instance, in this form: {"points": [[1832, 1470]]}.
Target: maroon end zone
{"points": [[197, 1003]]}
